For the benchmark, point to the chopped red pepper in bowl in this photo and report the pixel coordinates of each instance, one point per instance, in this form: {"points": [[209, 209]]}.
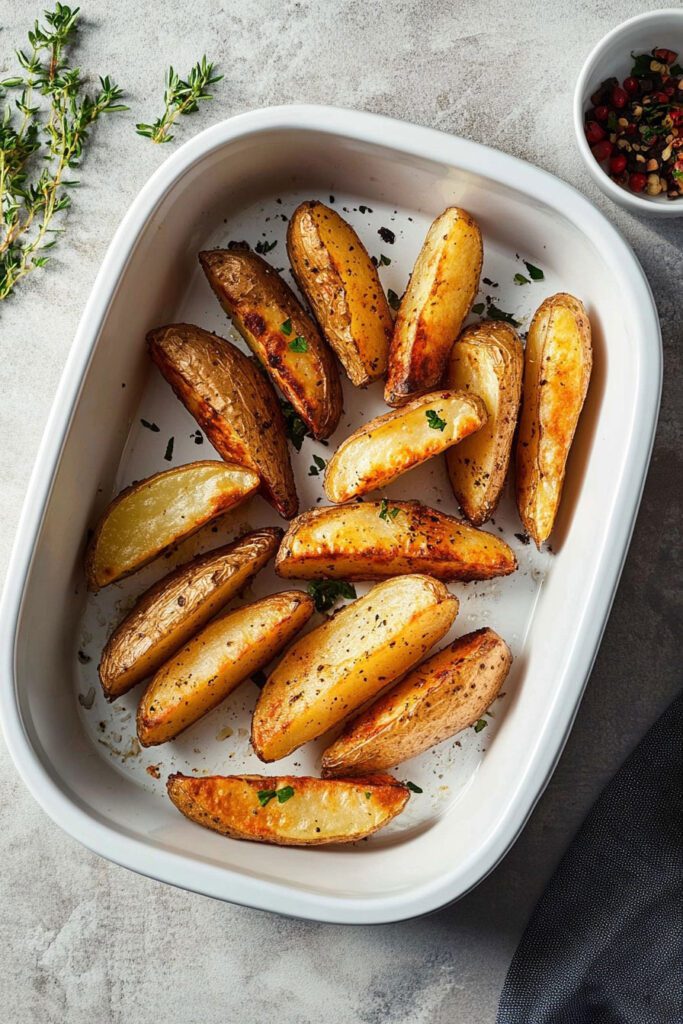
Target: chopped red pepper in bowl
{"points": [[635, 129]]}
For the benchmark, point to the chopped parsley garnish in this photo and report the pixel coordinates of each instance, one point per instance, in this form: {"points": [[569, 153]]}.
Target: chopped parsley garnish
{"points": [[299, 344], [295, 426], [168, 454], [319, 466], [387, 235], [481, 724], [326, 593], [535, 273], [521, 279], [393, 298], [434, 420], [384, 261], [150, 426], [499, 314], [478, 308], [286, 327], [283, 794], [368, 794], [264, 247], [387, 513], [365, 209], [413, 788], [641, 65], [612, 121], [490, 283], [244, 246]]}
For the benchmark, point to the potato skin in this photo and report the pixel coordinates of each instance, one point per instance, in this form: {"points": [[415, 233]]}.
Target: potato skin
{"points": [[352, 542], [328, 673], [232, 401], [216, 661], [439, 295], [167, 614], [557, 367], [319, 811], [486, 360], [129, 535], [337, 276], [258, 302], [445, 694], [399, 440]]}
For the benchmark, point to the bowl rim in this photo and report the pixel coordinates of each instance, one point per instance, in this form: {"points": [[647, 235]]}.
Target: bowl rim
{"points": [[168, 865], [620, 195]]}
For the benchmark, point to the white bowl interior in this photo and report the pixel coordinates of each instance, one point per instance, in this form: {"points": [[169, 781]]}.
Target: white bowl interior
{"points": [[612, 58], [469, 786]]}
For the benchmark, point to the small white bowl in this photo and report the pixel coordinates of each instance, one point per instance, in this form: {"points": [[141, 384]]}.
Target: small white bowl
{"points": [[612, 57]]}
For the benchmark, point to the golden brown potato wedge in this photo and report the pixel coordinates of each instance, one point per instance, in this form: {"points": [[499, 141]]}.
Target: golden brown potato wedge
{"points": [[216, 661], [486, 360], [334, 669], [279, 332], [168, 614], [153, 514], [372, 540], [289, 810], [557, 368], [443, 695], [391, 444], [440, 292], [232, 401], [342, 286]]}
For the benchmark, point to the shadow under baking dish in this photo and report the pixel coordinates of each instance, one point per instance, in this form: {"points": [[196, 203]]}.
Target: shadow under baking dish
{"points": [[241, 181]]}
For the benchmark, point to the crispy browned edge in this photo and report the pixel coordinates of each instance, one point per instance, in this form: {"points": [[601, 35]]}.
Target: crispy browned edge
{"points": [[420, 369], [427, 515], [320, 413], [230, 443], [274, 533], [300, 229], [179, 788], [585, 332], [220, 507], [477, 645]]}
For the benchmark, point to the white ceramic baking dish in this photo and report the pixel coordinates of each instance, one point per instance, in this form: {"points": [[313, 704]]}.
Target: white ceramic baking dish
{"points": [[236, 180]]}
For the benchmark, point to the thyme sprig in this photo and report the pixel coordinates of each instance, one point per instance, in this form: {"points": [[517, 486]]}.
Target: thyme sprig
{"points": [[48, 124], [181, 97]]}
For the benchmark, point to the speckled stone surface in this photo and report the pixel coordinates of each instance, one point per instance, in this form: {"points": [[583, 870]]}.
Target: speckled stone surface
{"points": [[86, 941]]}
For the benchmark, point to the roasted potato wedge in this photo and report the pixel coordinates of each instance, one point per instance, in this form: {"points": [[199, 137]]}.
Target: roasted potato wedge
{"points": [[391, 444], [289, 810], [153, 514], [216, 661], [443, 695], [342, 286], [372, 540], [486, 360], [334, 669], [279, 332], [232, 401], [440, 292], [168, 614], [557, 368]]}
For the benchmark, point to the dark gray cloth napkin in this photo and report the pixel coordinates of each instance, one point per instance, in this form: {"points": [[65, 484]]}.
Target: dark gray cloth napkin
{"points": [[605, 943]]}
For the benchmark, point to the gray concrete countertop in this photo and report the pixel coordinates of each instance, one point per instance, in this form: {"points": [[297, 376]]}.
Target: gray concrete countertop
{"points": [[86, 941]]}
